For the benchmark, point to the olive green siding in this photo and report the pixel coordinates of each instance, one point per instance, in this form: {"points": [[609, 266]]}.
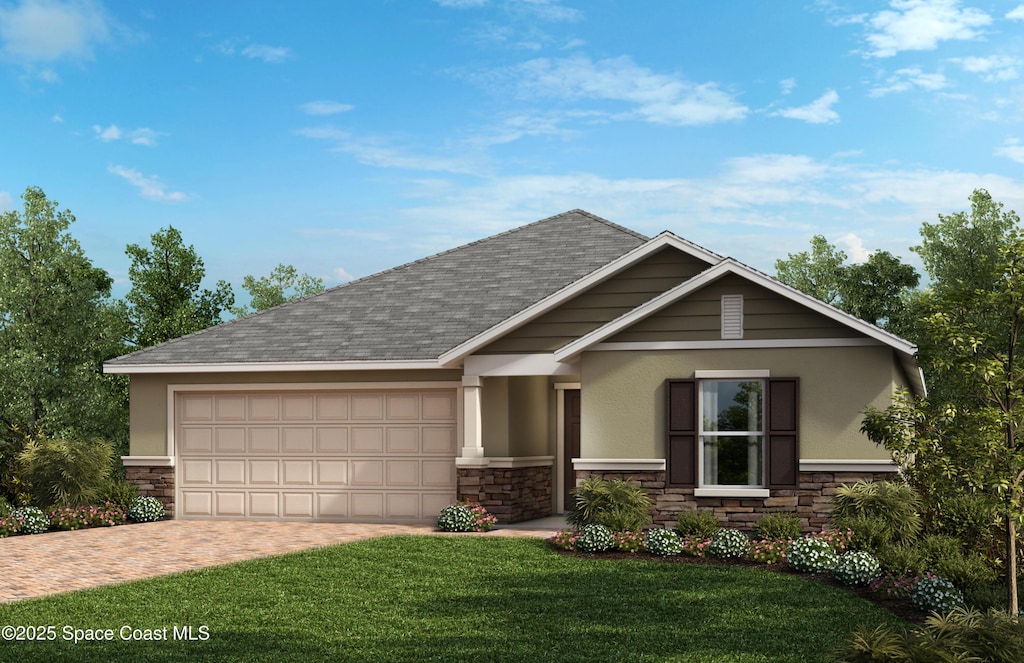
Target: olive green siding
{"points": [[766, 315], [517, 415], [602, 303], [623, 405], [148, 405]]}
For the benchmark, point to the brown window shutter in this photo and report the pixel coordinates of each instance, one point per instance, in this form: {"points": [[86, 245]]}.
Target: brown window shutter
{"points": [[681, 428], [783, 439]]}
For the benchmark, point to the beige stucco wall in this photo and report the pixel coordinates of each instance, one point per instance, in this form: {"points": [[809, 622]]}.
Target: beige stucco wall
{"points": [[623, 404], [516, 413], [148, 408]]}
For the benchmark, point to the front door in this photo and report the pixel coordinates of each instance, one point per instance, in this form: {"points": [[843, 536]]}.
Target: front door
{"points": [[572, 442]]}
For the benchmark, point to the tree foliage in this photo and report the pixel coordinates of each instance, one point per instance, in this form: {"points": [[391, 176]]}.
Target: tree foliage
{"points": [[283, 284], [165, 300], [877, 290], [57, 326], [965, 437]]}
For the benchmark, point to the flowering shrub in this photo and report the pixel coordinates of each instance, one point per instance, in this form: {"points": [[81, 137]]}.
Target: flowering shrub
{"points": [[627, 541], [894, 585], [565, 539], [147, 509], [453, 518], [31, 520], [728, 543], [663, 542], [856, 568], [696, 546], [934, 594], [594, 539], [811, 554], [768, 551], [838, 539], [484, 521], [8, 526], [77, 517]]}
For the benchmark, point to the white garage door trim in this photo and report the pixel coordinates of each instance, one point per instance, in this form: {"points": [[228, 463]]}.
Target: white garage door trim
{"points": [[287, 502]]}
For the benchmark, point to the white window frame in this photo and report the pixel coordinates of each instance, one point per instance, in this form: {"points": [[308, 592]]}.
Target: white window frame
{"points": [[704, 489]]}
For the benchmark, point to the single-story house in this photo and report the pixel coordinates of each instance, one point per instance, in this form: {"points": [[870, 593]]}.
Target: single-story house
{"points": [[505, 371]]}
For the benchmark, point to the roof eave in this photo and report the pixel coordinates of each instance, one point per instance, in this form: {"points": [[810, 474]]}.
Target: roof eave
{"points": [[273, 367]]}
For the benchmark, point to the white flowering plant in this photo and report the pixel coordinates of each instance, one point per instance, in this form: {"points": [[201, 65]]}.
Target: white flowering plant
{"points": [[465, 517], [145, 509], [811, 554], [594, 539], [934, 594], [663, 542], [727, 543], [31, 520], [857, 568]]}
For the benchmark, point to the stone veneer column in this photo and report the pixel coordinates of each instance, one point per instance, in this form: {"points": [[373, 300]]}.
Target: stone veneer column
{"points": [[511, 494], [154, 481]]}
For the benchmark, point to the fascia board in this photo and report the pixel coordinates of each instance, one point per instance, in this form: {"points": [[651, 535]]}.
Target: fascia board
{"points": [[268, 367], [454, 356]]}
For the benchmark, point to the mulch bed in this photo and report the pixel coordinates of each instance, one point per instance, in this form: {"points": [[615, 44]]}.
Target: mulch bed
{"points": [[902, 608]]}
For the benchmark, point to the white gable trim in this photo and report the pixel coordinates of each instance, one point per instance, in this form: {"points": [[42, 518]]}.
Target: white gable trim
{"points": [[454, 356], [518, 364], [729, 266]]}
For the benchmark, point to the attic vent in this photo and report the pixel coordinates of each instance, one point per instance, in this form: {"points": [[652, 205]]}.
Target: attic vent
{"points": [[732, 316]]}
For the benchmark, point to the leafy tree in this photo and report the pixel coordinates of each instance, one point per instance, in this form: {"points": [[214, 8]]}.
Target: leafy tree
{"points": [[877, 290], [57, 326], [165, 301], [966, 436], [283, 284]]}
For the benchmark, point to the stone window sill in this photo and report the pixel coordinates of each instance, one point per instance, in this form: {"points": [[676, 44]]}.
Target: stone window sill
{"points": [[731, 492]]}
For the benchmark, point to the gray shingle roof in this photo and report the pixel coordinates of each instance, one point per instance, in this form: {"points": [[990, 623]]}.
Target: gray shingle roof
{"points": [[415, 311]]}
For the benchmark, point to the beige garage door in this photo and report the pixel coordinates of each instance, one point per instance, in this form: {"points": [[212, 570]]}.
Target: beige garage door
{"points": [[386, 456]]}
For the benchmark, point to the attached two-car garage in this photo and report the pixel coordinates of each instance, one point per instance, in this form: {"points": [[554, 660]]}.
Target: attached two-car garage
{"points": [[334, 455]]}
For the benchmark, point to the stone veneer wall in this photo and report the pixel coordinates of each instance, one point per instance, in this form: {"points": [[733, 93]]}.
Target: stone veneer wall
{"points": [[811, 502], [510, 494], [155, 482]]}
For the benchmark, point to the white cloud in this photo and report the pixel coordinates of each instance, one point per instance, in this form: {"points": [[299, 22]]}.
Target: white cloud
{"points": [[325, 108], [574, 43], [143, 136], [818, 111], [461, 4], [546, 10], [787, 85], [341, 275], [108, 134], [656, 98], [903, 80], [57, 118], [381, 153], [919, 25], [853, 246], [1016, 14], [48, 30], [149, 186], [273, 54], [1011, 149], [994, 69]]}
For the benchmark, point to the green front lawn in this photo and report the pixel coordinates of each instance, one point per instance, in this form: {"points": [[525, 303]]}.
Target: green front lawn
{"points": [[453, 598]]}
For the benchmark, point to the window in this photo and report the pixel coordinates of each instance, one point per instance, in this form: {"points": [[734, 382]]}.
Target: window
{"points": [[732, 433]]}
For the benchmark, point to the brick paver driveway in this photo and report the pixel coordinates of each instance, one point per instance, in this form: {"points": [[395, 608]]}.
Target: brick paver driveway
{"points": [[42, 564]]}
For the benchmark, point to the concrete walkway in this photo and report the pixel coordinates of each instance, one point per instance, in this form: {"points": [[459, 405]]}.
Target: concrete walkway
{"points": [[41, 564]]}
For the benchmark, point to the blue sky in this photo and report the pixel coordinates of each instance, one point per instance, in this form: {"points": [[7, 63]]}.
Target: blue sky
{"points": [[349, 137]]}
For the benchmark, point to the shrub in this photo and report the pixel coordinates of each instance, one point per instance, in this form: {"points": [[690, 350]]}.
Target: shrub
{"points": [[838, 540], [66, 518], [120, 492], [618, 505], [767, 551], [902, 559], [148, 509], [630, 542], [31, 520], [870, 533], [778, 526], [811, 554], [485, 522], [663, 542], [8, 526], [728, 543], [564, 539], [5, 508], [594, 539], [107, 515], [934, 594], [856, 568], [962, 635], [64, 472], [946, 557], [697, 523], [894, 585], [894, 503], [695, 546]]}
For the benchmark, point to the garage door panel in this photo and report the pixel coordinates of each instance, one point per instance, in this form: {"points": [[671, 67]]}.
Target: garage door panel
{"points": [[229, 439], [363, 456], [264, 440], [196, 440], [367, 440], [297, 440], [230, 471]]}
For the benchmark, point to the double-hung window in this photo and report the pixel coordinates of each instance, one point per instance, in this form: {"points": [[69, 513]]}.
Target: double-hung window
{"points": [[732, 433]]}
